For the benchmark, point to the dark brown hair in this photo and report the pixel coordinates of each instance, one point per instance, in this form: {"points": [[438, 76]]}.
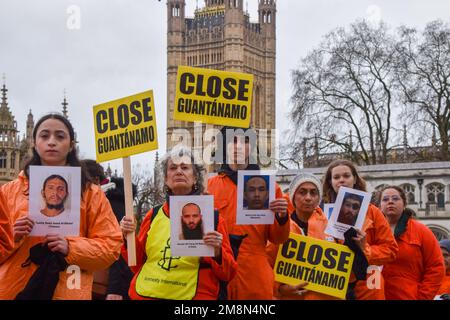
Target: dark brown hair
{"points": [[72, 158], [329, 195]]}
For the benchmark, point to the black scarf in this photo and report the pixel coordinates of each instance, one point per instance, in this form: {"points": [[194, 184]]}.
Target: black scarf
{"points": [[402, 223], [42, 283], [360, 263], [300, 223], [233, 175]]}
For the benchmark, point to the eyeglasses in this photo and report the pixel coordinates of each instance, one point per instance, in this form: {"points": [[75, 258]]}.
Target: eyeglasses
{"points": [[392, 198]]}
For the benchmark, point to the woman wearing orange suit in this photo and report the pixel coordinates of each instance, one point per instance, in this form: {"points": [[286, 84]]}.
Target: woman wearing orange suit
{"points": [[375, 239], [157, 274], [254, 279], [98, 245], [306, 219], [417, 272], [6, 240]]}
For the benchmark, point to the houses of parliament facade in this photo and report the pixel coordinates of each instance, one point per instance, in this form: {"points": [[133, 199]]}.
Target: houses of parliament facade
{"points": [[221, 36]]}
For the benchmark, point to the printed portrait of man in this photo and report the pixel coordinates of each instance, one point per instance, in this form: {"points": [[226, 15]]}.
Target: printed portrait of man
{"points": [[54, 193], [256, 193], [350, 208], [191, 222]]}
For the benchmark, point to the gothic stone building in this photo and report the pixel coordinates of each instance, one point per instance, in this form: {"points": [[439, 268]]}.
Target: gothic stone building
{"points": [[13, 150], [220, 36]]}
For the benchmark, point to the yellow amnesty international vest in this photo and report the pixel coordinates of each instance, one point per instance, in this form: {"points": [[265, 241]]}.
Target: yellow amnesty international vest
{"points": [[164, 276]]}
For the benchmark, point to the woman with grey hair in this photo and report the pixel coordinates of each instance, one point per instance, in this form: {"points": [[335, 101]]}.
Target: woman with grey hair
{"points": [[158, 275]]}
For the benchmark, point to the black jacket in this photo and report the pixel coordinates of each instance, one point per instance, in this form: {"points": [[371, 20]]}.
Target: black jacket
{"points": [[120, 274]]}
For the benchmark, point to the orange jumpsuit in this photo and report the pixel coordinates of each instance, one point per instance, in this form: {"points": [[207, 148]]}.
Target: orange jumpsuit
{"points": [[97, 247], [6, 235], [381, 248], [317, 224], [254, 279], [419, 269], [208, 278]]}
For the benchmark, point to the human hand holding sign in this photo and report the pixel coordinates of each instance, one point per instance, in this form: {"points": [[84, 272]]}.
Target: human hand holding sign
{"points": [[22, 228], [286, 290], [360, 239], [279, 206], [214, 239], [128, 225], [57, 243]]}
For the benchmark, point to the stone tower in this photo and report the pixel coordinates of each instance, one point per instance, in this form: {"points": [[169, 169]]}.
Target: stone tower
{"points": [[220, 36], [27, 141], [9, 142]]}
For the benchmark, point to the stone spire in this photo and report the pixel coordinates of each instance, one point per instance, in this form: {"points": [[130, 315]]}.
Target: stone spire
{"points": [[65, 104], [434, 138], [405, 144], [30, 127], [4, 91], [156, 174], [109, 171]]}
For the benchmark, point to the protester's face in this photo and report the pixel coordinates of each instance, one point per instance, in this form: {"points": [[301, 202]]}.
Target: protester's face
{"points": [[180, 175], [53, 143], [306, 198], [238, 151], [256, 193], [392, 204], [55, 192], [191, 217], [341, 176], [349, 210]]}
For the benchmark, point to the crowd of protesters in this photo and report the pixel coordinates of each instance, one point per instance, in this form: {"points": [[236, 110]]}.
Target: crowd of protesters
{"points": [[414, 264]]}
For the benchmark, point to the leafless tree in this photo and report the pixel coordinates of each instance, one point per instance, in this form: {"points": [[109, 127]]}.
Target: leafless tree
{"points": [[149, 192], [346, 85], [423, 74]]}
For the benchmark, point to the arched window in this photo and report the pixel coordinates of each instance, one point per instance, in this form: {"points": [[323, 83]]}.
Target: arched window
{"points": [[436, 194], [439, 232], [256, 105], [3, 159], [410, 192]]}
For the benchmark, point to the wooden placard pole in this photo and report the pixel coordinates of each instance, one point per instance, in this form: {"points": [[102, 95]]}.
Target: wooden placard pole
{"points": [[207, 165], [131, 240]]}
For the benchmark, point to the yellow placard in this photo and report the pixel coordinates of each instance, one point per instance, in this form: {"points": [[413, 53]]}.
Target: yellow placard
{"points": [[214, 97], [326, 266], [125, 127]]}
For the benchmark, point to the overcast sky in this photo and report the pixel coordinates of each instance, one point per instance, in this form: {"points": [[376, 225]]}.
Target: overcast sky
{"points": [[120, 49]]}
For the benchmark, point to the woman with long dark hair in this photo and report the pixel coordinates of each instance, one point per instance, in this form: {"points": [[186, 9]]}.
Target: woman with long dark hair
{"points": [[375, 239], [97, 246]]}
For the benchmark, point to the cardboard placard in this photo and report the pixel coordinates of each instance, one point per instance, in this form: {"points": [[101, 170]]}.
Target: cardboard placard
{"points": [[125, 127], [214, 97], [326, 266]]}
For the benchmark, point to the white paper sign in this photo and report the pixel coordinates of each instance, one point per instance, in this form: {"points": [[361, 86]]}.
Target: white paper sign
{"points": [[54, 203], [349, 210], [256, 189], [191, 218]]}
